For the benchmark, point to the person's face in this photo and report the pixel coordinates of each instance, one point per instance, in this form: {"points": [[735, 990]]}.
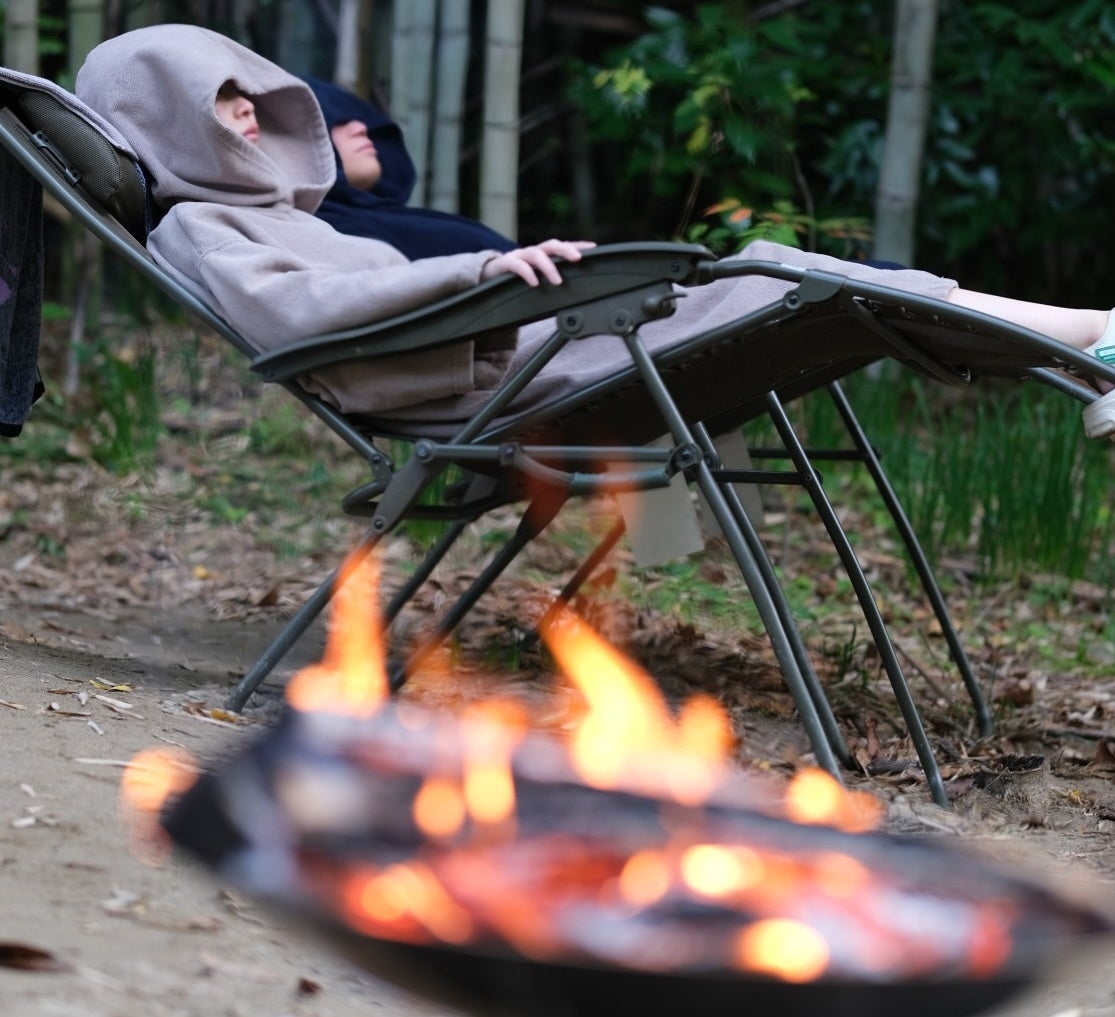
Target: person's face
{"points": [[358, 154], [236, 111]]}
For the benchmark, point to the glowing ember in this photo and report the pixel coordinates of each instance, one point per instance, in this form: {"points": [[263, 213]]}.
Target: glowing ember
{"points": [[645, 878], [402, 896], [716, 870], [783, 948], [439, 807]]}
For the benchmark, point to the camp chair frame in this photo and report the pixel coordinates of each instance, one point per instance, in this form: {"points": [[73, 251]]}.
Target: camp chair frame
{"points": [[614, 290]]}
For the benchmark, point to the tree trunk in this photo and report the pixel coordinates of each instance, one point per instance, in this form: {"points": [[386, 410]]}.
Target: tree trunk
{"points": [[346, 70], [907, 119], [412, 82], [354, 21], [86, 29], [452, 71], [21, 36], [499, 165]]}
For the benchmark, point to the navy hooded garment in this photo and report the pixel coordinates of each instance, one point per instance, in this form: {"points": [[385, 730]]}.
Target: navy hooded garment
{"points": [[382, 213]]}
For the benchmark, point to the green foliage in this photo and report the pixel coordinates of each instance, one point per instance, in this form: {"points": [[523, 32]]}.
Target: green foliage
{"points": [[729, 227], [125, 419], [699, 107], [1007, 478], [678, 588], [1022, 159], [283, 430], [52, 35], [788, 112]]}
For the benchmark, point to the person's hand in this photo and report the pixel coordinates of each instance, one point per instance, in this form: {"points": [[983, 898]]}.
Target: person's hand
{"points": [[531, 263]]}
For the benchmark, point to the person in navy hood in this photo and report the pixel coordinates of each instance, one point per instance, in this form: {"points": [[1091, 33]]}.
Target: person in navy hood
{"points": [[363, 204]]}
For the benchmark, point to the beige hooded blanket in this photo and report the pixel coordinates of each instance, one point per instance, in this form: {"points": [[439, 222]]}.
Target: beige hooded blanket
{"points": [[239, 228]]}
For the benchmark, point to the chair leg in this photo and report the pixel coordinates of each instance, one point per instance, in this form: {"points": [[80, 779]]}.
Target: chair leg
{"points": [[781, 605], [297, 626], [539, 514], [698, 469], [781, 641], [478, 488], [811, 482], [402, 492], [581, 576], [917, 556]]}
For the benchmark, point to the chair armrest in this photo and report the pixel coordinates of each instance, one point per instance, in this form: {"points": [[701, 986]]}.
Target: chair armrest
{"points": [[504, 302]]}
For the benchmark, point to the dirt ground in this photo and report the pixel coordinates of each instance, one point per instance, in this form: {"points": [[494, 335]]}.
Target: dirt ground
{"points": [[80, 693], [127, 609]]}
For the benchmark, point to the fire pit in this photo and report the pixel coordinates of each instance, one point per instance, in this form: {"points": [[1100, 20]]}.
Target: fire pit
{"points": [[627, 869], [582, 911]]}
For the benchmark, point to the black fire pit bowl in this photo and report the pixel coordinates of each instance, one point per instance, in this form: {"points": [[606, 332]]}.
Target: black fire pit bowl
{"points": [[229, 818], [491, 985]]}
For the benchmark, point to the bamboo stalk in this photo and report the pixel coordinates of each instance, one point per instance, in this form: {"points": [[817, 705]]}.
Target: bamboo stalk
{"points": [[907, 119], [421, 23], [347, 73], [452, 69], [500, 145], [21, 36]]}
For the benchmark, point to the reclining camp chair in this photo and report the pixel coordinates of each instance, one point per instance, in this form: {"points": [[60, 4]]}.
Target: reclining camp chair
{"points": [[824, 327]]}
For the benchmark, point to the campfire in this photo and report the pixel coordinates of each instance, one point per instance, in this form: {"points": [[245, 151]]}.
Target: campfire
{"points": [[547, 874]]}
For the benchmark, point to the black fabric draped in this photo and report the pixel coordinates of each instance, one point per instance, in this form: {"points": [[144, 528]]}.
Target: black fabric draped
{"points": [[382, 213]]}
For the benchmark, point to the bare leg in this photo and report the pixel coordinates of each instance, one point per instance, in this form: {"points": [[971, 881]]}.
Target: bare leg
{"points": [[1077, 328], [1074, 327]]}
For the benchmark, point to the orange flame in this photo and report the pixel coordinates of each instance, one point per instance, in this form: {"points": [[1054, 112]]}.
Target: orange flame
{"points": [[627, 722], [151, 778], [352, 679], [472, 878], [816, 797], [490, 732]]}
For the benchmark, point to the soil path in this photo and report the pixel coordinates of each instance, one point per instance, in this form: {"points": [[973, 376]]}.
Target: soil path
{"points": [[130, 940]]}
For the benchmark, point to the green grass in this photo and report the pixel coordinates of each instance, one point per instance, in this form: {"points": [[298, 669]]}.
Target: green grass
{"points": [[1001, 471]]}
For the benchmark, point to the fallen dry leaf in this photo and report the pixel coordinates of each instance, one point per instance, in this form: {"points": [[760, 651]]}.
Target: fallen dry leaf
{"points": [[213, 714], [97, 683], [1105, 755], [56, 708], [22, 957], [308, 987]]}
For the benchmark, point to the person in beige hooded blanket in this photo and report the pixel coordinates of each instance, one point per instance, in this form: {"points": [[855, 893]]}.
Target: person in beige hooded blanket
{"points": [[239, 228], [239, 190]]}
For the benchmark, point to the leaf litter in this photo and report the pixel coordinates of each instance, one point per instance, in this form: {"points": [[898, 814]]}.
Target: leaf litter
{"points": [[81, 543]]}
